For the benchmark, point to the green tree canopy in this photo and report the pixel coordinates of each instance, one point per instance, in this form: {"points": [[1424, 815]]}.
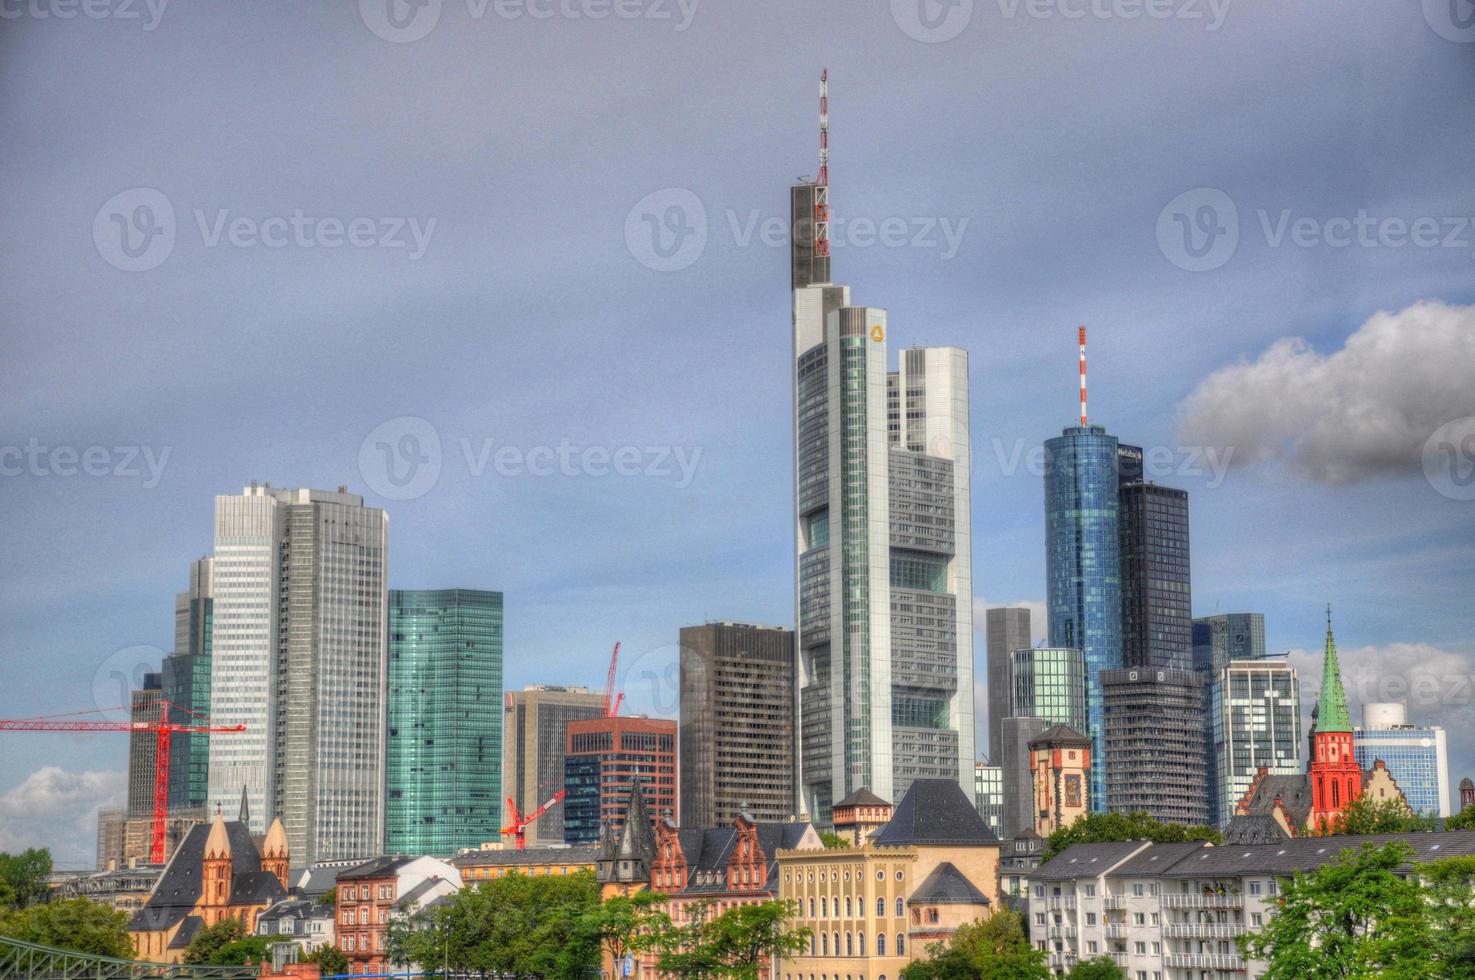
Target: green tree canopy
{"points": [[211, 939], [734, 944], [1097, 968], [330, 960], [1464, 820], [251, 949], [1368, 816], [622, 925], [23, 877], [831, 839], [1449, 887], [994, 948], [1095, 828], [77, 924]]}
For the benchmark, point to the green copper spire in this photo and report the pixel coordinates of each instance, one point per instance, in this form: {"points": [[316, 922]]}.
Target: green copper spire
{"points": [[1331, 713]]}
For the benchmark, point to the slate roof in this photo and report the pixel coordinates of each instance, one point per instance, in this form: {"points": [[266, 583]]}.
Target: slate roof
{"points": [[1156, 859], [379, 867], [411, 899], [186, 934], [1086, 860], [947, 886], [178, 890], [708, 849], [578, 854], [1294, 791], [862, 797], [1061, 734], [298, 908], [1254, 828], [935, 811]]}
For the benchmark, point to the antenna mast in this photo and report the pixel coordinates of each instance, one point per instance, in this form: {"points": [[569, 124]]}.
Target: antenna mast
{"points": [[1083, 377], [822, 181]]}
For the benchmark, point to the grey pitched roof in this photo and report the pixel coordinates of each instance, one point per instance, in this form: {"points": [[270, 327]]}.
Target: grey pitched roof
{"points": [[947, 886], [578, 854], [1294, 792], [298, 908], [174, 898], [1061, 734], [1087, 860], [1254, 828], [377, 867], [1157, 859], [1308, 853], [186, 934], [862, 797], [709, 849], [935, 811], [412, 898]]}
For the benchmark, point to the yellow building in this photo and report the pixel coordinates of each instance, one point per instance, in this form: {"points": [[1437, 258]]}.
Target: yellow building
{"points": [[873, 908], [484, 865]]}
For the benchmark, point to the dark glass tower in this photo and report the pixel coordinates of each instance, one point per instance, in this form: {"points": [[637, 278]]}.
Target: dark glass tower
{"points": [[1157, 616], [443, 767], [1082, 566], [187, 688]]}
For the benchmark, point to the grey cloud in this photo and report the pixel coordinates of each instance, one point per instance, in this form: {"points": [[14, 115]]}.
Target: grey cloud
{"points": [[58, 809]]}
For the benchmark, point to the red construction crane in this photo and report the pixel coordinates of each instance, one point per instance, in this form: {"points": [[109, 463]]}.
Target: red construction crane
{"points": [[518, 827], [612, 701], [162, 729]]}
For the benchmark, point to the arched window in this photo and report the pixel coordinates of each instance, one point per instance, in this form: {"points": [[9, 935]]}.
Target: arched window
{"points": [[862, 943], [880, 944], [847, 906], [811, 906], [881, 906], [813, 949], [824, 944], [837, 944], [901, 944], [901, 911], [824, 906], [849, 944]]}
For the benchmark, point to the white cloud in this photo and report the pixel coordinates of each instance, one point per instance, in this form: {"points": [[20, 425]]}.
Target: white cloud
{"points": [[58, 809], [1342, 417]]}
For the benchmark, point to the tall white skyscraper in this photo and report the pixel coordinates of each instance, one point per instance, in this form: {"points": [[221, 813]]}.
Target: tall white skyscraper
{"points": [[300, 658], [1255, 714], [882, 539]]}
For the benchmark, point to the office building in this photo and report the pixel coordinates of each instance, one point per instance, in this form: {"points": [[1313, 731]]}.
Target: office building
{"points": [[1155, 744], [1050, 683], [1006, 630], [1059, 767], [110, 823], [883, 541], [143, 746], [534, 738], [1255, 720], [988, 795], [1157, 622], [737, 723], [1016, 776], [1083, 567], [298, 655], [1417, 756], [443, 760], [603, 760], [187, 689], [1224, 637]]}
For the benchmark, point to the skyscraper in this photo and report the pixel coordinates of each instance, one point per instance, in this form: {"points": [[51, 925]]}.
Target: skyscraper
{"points": [[988, 794], [143, 748], [1006, 630], [1255, 719], [1014, 761], [1157, 622], [298, 650], [604, 760], [443, 758], [1223, 637], [1154, 719], [882, 539], [534, 740], [1050, 683], [1417, 756], [737, 723], [1083, 567], [187, 688]]}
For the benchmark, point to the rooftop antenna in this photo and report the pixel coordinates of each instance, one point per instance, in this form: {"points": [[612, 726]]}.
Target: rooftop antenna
{"points": [[1083, 376], [822, 181]]}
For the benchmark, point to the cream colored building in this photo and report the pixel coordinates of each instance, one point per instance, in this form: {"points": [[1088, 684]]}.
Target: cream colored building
{"points": [[1060, 768]]}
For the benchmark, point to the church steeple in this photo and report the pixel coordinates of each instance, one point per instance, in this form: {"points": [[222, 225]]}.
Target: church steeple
{"points": [[1331, 714], [1336, 779]]}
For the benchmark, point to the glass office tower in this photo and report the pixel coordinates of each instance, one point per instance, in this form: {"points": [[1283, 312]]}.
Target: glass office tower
{"points": [[1050, 683], [1417, 756], [187, 688], [1224, 637], [1157, 618], [1255, 721], [1082, 567], [443, 764]]}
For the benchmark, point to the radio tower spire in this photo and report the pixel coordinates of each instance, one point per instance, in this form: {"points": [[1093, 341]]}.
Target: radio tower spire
{"points": [[1083, 376], [822, 181]]}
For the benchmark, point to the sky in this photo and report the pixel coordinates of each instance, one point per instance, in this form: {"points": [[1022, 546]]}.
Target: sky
{"points": [[515, 271]]}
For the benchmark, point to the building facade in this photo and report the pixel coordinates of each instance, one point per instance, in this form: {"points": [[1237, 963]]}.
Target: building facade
{"points": [[737, 723], [497, 861], [110, 823], [1050, 683], [1157, 617], [1060, 770], [1255, 715], [1224, 637], [534, 739], [298, 652], [144, 705], [988, 794], [187, 688], [1417, 756], [1083, 566], [1005, 630], [883, 559], [1155, 744], [1017, 777], [372, 894], [604, 759], [443, 759]]}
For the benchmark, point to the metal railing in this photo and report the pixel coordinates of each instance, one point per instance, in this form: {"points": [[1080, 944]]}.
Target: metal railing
{"points": [[1203, 901], [20, 960]]}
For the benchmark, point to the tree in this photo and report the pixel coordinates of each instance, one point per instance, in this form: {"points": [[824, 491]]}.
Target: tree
{"points": [[622, 925], [1464, 820], [831, 839], [737, 943], [1365, 815], [330, 960], [1095, 828], [23, 877], [329, 897], [1451, 909], [1097, 968], [77, 924], [1354, 917], [994, 948], [211, 939], [251, 949]]}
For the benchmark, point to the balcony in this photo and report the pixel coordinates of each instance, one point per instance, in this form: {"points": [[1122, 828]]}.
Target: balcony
{"points": [[1115, 932], [1119, 958], [1065, 930], [1063, 902], [1113, 902], [1204, 961], [1205, 930], [1065, 959], [1203, 901]]}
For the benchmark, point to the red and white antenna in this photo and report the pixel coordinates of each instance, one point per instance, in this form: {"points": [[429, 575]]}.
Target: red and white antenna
{"points": [[1083, 377], [822, 182]]}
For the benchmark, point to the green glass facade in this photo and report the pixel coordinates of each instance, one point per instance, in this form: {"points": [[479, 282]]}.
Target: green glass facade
{"points": [[443, 767], [1050, 683]]}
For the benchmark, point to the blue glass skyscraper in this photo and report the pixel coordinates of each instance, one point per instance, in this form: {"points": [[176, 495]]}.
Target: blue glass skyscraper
{"points": [[1082, 567]]}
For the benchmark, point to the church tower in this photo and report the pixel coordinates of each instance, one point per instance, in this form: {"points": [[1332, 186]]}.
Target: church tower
{"points": [[1336, 780], [215, 887], [274, 851]]}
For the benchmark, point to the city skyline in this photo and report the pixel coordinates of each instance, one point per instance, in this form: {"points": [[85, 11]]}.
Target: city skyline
{"points": [[586, 559]]}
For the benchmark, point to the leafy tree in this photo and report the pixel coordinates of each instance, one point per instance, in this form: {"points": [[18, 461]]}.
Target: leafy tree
{"points": [[252, 949], [831, 839], [1451, 910], [23, 877], [944, 963], [736, 944], [622, 925], [77, 924], [211, 939], [994, 948], [1095, 828], [1097, 968], [1368, 816], [329, 958], [1355, 917], [329, 897], [517, 924], [1464, 820]]}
